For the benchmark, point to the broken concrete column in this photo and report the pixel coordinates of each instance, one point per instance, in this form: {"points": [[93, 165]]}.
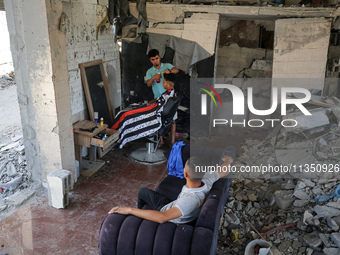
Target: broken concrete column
{"points": [[40, 63]]}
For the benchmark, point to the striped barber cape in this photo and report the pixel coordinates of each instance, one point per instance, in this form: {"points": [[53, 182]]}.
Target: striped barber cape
{"points": [[140, 122]]}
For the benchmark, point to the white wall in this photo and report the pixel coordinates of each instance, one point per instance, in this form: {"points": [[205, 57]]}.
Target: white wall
{"points": [[300, 51]]}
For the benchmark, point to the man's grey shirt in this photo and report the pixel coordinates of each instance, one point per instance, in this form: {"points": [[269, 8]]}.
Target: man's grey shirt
{"points": [[190, 200]]}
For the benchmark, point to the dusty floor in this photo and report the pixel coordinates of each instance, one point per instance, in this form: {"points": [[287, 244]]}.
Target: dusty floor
{"points": [[38, 228]]}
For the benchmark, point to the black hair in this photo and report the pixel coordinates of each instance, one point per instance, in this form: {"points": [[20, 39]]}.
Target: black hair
{"points": [[170, 77], [153, 53], [195, 164]]}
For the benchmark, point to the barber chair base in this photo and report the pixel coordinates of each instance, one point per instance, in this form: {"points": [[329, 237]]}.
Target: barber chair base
{"points": [[148, 157]]}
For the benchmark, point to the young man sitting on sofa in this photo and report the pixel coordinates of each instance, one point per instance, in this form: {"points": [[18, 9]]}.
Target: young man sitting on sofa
{"points": [[188, 203]]}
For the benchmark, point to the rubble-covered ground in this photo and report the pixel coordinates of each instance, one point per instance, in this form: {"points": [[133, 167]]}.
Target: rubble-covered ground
{"points": [[282, 206], [15, 179]]}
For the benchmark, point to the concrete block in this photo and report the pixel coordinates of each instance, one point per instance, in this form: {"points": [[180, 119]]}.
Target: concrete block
{"points": [[313, 240], [283, 199], [325, 211], [332, 224], [336, 238], [331, 251], [59, 183]]}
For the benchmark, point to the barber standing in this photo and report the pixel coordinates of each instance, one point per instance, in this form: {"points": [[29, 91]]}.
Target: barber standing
{"points": [[154, 79], [154, 75]]}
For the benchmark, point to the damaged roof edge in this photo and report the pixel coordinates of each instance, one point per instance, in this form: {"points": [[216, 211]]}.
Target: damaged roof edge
{"points": [[244, 12]]}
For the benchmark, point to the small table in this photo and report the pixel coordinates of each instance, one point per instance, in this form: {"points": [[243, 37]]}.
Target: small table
{"points": [[87, 139]]}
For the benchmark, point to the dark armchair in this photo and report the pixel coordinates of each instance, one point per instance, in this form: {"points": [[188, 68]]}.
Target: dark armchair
{"points": [[125, 235]]}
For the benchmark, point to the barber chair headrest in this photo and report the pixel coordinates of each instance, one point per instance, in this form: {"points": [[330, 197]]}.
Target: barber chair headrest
{"points": [[170, 107]]}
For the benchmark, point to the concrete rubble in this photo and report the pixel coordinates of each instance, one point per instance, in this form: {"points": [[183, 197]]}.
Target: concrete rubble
{"points": [[282, 206], [15, 180]]}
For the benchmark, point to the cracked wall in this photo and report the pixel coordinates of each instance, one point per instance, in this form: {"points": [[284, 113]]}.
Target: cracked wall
{"points": [[300, 51], [82, 18]]}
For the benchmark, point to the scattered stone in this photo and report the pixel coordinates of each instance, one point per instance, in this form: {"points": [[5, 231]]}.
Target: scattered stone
{"points": [[10, 146], [337, 220], [289, 185], [20, 197], [325, 211], [300, 203], [309, 251], [325, 239], [296, 245], [332, 224], [283, 246], [283, 199], [317, 191], [336, 239], [252, 197], [16, 138], [331, 251], [301, 195], [233, 220], [324, 181], [11, 185], [334, 204], [313, 240], [309, 183]]}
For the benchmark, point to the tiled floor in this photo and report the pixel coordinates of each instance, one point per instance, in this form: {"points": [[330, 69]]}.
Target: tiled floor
{"points": [[38, 228]]}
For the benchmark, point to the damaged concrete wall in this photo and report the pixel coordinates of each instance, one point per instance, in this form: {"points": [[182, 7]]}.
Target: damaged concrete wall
{"points": [[300, 51], [234, 61], [200, 28], [81, 18], [40, 63]]}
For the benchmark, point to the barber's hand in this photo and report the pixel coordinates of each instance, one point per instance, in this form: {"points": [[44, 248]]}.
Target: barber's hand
{"points": [[227, 160], [121, 210], [157, 76]]}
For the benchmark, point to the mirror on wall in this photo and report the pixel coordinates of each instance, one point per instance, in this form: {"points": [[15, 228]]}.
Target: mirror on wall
{"points": [[96, 90]]}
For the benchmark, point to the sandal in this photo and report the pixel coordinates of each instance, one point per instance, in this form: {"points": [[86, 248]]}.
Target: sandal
{"points": [[160, 145]]}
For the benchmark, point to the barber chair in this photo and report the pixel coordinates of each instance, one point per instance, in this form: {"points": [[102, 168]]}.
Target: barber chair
{"points": [[151, 155]]}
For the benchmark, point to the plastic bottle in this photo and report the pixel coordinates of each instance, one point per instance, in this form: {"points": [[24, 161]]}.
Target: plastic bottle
{"points": [[158, 80], [101, 121]]}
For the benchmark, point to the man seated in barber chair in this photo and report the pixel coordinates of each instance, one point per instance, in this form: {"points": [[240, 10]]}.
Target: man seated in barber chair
{"points": [[146, 119]]}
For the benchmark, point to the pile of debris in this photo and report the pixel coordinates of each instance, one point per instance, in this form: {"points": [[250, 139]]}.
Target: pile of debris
{"points": [[297, 211], [14, 175], [7, 80]]}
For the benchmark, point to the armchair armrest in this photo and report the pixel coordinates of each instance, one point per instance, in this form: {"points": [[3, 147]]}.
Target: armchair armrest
{"points": [[121, 234]]}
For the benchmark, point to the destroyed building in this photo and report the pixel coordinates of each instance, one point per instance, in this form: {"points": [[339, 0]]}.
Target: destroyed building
{"points": [[251, 44]]}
